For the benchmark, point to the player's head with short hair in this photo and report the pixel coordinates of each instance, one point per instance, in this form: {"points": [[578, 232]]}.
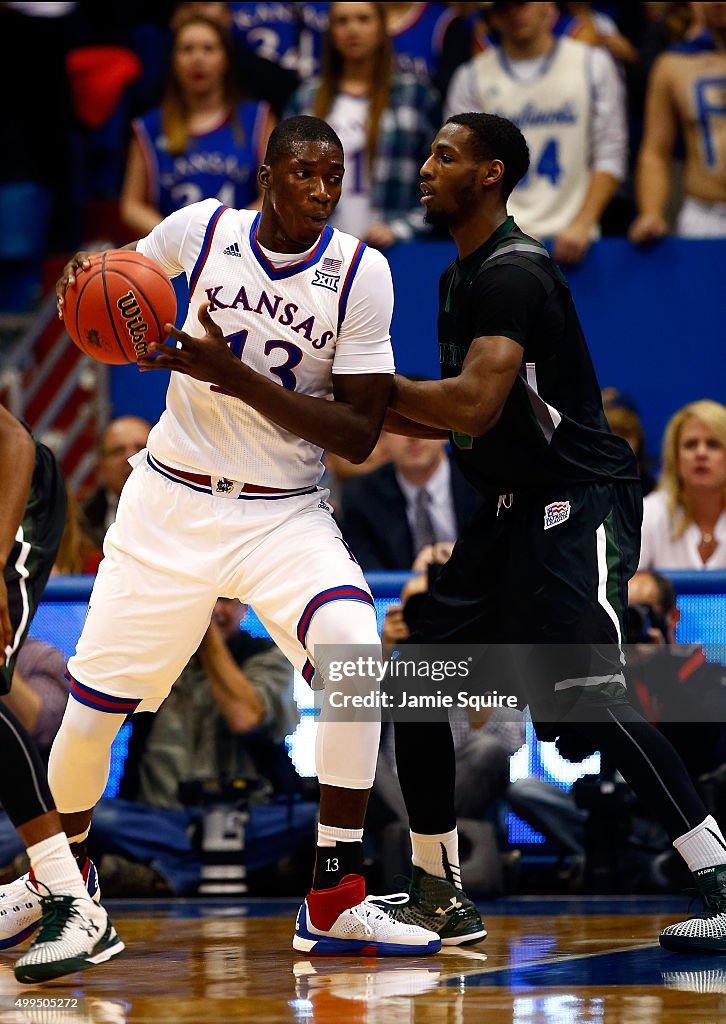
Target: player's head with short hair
{"points": [[495, 138], [296, 131], [301, 182]]}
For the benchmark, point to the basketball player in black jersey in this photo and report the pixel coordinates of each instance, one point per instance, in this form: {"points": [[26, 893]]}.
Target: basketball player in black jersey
{"points": [[59, 896], [543, 567]]}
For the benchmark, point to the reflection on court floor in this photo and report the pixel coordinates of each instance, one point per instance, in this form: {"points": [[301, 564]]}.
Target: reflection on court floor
{"points": [[546, 961]]}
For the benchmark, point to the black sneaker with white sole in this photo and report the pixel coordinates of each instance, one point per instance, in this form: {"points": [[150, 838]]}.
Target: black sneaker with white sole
{"points": [[705, 932]]}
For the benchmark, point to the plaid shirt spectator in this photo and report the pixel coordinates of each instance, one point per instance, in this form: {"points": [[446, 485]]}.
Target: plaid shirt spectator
{"points": [[407, 127]]}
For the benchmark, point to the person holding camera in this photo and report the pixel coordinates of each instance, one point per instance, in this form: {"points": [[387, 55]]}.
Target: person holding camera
{"points": [[673, 684]]}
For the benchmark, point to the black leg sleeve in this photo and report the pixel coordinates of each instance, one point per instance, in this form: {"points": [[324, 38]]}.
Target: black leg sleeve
{"points": [[24, 791], [648, 763], [427, 772]]}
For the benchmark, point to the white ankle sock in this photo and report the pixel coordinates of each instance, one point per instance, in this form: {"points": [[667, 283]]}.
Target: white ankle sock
{"points": [[329, 835], [54, 865], [428, 853], [704, 846]]}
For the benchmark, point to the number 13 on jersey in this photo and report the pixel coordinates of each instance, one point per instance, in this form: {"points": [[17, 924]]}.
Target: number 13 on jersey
{"points": [[282, 370]]}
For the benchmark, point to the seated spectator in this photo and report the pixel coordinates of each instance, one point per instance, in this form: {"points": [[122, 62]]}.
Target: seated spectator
{"points": [[682, 693], [626, 423], [339, 470], [202, 142], [122, 438], [384, 118], [685, 98], [416, 500], [684, 520], [568, 100], [672, 684], [225, 719]]}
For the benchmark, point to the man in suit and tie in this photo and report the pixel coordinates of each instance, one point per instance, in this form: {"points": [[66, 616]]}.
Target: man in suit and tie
{"points": [[417, 500]]}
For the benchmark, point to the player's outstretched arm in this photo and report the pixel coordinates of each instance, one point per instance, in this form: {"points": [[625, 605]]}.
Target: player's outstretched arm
{"points": [[470, 403], [348, 426], [17, 462]]}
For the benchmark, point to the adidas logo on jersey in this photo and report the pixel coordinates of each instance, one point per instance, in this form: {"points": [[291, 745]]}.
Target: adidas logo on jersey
{"points": [[232, 250]]}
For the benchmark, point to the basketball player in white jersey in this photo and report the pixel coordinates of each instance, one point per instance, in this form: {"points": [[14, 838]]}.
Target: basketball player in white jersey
{"points": [[568, 101], [224, 501], [686, 94]]}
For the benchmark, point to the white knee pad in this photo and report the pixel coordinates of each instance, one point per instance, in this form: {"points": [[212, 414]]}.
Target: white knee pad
{"points": [[81, 756], [346, 751]]}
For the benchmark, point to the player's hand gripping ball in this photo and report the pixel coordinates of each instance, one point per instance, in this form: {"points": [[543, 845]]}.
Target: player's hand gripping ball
{"points": [[115, 308]]}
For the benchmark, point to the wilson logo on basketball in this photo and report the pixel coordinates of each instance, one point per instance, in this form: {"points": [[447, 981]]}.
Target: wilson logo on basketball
{"points": [[135, 324]]}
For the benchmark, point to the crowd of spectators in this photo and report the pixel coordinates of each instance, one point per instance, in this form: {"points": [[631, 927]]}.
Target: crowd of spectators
{"points": [[163, 104]]}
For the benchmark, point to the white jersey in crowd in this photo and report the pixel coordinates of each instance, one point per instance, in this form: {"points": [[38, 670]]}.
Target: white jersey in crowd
{"points": [[348, 117], [553, 110], [295, 318], [569, 105]]}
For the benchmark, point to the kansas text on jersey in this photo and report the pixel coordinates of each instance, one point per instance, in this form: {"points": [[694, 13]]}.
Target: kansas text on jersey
{"points": [[297, 319]]}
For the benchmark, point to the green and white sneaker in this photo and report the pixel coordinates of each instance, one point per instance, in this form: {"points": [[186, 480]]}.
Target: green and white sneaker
{"points": [[74, 934], [437, 905], [706, 932]]}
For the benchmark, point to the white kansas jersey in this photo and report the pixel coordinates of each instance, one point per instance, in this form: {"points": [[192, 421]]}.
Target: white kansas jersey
{"points": [[295, 318], [553, 110]]}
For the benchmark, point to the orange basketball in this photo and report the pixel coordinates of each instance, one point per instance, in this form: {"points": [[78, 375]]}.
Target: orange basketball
{"points": [[119, 306]]}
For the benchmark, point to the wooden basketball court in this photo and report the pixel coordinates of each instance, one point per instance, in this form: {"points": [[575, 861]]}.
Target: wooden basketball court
{"points": [[546, 961]]}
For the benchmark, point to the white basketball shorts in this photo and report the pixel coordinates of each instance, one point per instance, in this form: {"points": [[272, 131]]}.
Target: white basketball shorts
{"points": [[171, 552]]}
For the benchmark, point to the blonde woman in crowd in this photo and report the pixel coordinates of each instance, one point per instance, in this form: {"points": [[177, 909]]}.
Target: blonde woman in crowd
{"points": [[684, 520]]}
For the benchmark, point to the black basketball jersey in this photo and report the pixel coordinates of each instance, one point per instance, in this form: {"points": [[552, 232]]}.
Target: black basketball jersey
{"points": [[552, 428]]}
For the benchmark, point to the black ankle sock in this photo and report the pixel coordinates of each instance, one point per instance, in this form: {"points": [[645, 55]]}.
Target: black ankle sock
{"points": [[335, 862], [80, 852]]}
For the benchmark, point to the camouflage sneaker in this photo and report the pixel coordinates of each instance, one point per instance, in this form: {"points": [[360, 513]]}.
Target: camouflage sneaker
{"points": [[437, 905]]}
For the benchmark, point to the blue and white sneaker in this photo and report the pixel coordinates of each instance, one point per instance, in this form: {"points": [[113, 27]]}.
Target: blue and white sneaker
{"points": [[345, 922], [21, 908]]}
